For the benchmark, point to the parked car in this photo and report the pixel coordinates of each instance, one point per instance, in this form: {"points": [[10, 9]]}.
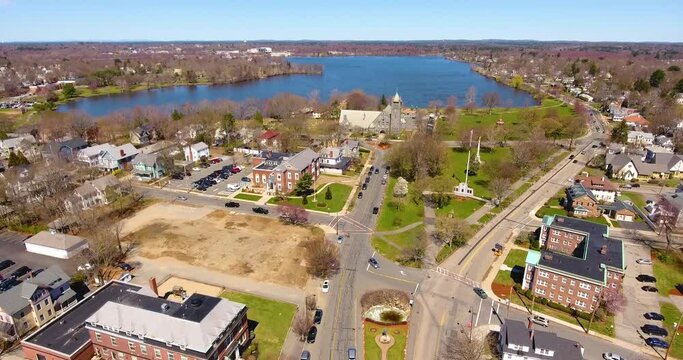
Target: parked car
{"points": [[5, 264], [125, 266], [177, 176], [305, 355], [649, 288], [360, 195], [312, 333], [9, 283], [373, 262], [635, 185], [375, 210], [340, 239], [36, 272], [376, 171], [364, 187], [575, 161], [260, 210], [352, 353], [232, 204], [367, 179], [654, 330], [612, 356], [657, 342], [318, 316], [481, 293], [234, 187], [571, 156], [644, 261], [20, 272], [646, 278], [245, 179], [181, 198], [540, 320], [235, 170], [653, 316], [326, 286]]}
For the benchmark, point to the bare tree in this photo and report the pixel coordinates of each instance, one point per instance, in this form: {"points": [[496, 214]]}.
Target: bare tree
{"points": [[613, 300], [471, 99], [491, 99], [311, 302], [302, 323], [500, 187], [292, 214], [415, 254], [452, 231], [322, 257], [460, 347]]}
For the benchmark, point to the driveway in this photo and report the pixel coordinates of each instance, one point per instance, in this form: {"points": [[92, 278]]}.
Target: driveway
{"points": [[629, 321]]}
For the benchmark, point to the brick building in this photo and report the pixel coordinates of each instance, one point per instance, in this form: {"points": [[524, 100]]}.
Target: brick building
{"points": [[577, 261], [123, 321], [279, 172], [581, 202]]}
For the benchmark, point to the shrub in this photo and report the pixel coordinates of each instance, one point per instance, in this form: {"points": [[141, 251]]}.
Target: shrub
{"points": [[304, 200], [391, 316], [321, 204], [397, 221], [544, 301], [328, 194]]}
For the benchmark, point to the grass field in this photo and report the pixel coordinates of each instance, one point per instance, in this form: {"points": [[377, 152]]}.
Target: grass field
{"points": [[394, 216], [637, 198], [248, 197], [396, 352], [460, 207], [517, 128], [273, 317], [669, 273], [397, 243], [340, 193], [672, 314], [515, 257], [457, 163]]}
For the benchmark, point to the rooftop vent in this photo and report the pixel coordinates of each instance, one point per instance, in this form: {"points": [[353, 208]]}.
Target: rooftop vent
{"points": [[547, 257], [196, 302], [603, 249], [560, 219], [165, 307]]}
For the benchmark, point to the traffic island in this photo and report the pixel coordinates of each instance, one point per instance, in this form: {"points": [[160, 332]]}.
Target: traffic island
{"points": [[385, 327]]}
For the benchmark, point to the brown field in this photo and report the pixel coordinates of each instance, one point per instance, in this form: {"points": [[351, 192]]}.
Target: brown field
{"points": [[255, 247]]}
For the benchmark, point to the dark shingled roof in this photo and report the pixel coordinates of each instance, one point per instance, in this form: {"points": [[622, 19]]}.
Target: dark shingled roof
{"points": [[515, 332], [588, 265]]}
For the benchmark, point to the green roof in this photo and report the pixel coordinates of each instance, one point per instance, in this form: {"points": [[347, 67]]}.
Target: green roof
{"points": [[533, 257]]}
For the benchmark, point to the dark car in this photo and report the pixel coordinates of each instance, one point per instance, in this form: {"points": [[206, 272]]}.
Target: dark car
{"points": [[654, 330], [653, 316], [312, 333], [364, 187], [233, 204], [318, 316], [246, 179], [376, 171], [225, 175], [36, 272], [125, 266], [649, 288], [372, 167], [367, 179], [20, 272], [305, 355], [5, 264], [594, 146], [373, 262], [636, 185], [177, 176], [646, 278], [260, 210], [360, 195], [375, 210], [8, 284], [571, 156], [575, 161], [656, 342], [481, 293]]}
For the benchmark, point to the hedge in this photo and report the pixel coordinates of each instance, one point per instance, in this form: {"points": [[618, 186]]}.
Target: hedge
{"points": [[551, 304]]}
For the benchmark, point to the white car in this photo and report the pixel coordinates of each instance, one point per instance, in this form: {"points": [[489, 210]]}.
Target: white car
{"points": [[181, 198], [234, 187], [540, 320], [611, 356], [85, 267], [326, 286], [644, 261]]}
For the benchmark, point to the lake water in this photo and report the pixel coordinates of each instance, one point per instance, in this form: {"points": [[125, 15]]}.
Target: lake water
{"points": [[418, 79]]}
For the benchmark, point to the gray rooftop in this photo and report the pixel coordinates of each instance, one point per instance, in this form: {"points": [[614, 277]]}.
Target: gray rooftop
{"points": [[516, 332], [302, 159], [56, 240], [11, 301], [146, 159]]}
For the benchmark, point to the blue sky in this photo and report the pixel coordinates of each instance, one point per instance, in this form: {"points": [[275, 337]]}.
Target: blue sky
{"points": [[103, 20]]}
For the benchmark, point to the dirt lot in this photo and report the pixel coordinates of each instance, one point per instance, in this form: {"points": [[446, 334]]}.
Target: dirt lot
{"points": [[250, 246]]}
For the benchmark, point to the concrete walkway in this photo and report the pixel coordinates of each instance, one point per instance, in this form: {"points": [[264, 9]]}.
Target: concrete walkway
{"points": [[475, 216], [400, 230]]}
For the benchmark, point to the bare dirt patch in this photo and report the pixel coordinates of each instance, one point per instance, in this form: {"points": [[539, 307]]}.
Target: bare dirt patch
{"points": [[255, 247], [502, 291]]}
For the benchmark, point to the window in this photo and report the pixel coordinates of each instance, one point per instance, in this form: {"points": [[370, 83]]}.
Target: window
{"points": [[541, 283], [556, 232], [183, 357], [122, 356], [131, 346], [38, 307], [157, 353], [289, 175], [542, 274], [597, 289], [133, 357], [289, 185], [555, 277], [42, 317], [540, 291], [559, 297], [571, 291], [583, 285], [555, 240], [564, 280], [552, 286], [552, 295], [256, 179], [580, 303], [614, 285], [296, 176], [561, 288], [564, 242], [113, 340], [572, 283], [45, 302], [98, 337], [170, 356], [143, 349], [582, 295], [279, 177]]}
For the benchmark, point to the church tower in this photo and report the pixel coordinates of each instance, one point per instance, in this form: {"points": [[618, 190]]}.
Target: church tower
{"points": [[395, 124]]}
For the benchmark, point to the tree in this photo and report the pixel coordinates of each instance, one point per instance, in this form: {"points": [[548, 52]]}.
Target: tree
{"points": [[500, 187], [574, 127], [452, 231], [679, 86], [383, 101], [657, 77], [491, 99], [69, 91], [620, 133], [16, 159], [416, 253], [641, 85], [442, 187], [291, 214], [471, 99], [322, 257], [176, 115], [516, 81], [458, 346], [303, 186], [302, 323], [400, 188], [613, 300], [421, 156], [674, 68], [311, 302], [258, 118], [593, 70], [328, 193]]}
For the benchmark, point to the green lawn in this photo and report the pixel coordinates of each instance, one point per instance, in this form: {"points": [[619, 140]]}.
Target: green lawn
{"points": [[516, 127], [273, 317], [550, 211], [672, 314], [248, 197], [340, 193], [397, 214], [457, 163], [460, 207], [404, 240], [637, 198], [396, 352], [516, 257], [669, 272]]}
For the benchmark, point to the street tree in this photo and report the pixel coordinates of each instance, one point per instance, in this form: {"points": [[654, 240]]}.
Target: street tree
{"points": [[500, 187], [452, 231], [416, 253], [458, 346], [322, 257], [471, 99], [620, 133], [441, 187], [292, 214], [491, 99], [613, 300], [302, 323]]}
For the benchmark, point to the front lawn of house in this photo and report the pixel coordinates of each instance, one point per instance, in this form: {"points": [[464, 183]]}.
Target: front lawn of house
{"points": [[671, 315], [248, 197], [668, 269], [340, 193]]}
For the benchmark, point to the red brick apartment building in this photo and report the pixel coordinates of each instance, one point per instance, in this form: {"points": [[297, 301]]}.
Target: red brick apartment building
{"points": [[122, 321], [577, 261], [279, 172]]}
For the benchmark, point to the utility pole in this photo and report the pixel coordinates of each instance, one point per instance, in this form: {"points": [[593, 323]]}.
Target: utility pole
{"points": [[673, 337], [471, 322]]}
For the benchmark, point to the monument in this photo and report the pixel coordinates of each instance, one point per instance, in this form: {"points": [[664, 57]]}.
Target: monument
{"points": [[463, 189]]}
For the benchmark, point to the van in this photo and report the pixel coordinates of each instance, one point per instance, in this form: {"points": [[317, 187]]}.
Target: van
{"points": [[305, 355], [352, 353]]}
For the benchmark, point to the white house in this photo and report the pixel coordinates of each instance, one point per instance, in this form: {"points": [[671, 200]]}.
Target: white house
{"points": [[91, 154], [664, 141], [56, 245], [350, 148], [92, 193], [196, 151], [21, 142], [116, 157], [601, 187], [332, 161], [640, 138], [516, 341]]}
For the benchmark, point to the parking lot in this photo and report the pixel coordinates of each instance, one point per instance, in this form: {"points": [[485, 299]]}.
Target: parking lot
{"points": [[197, 173], [12, 248]]}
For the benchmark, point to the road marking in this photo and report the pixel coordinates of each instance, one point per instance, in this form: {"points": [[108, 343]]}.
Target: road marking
{"points": [[438, 342], [416, 286], [478, 313], [391, 277]]}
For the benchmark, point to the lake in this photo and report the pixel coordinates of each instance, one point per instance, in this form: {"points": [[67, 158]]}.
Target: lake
{"points": [[418, 79]]}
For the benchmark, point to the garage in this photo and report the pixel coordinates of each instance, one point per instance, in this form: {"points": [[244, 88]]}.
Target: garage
{"points": [[56, 245]]}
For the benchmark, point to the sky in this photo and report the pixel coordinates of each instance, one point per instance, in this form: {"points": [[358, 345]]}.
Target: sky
{"points": [[214, 20]]}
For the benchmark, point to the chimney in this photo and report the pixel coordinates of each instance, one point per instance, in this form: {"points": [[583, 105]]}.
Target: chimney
{"points": [[331, 153], [153, 285], [123, 153], [603, 249]]}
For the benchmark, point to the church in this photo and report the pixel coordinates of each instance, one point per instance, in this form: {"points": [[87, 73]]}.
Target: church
{"points": [[388, 121]]}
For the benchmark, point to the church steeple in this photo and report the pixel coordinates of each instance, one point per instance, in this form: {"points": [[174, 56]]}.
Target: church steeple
{"points": [[396, 98]]}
